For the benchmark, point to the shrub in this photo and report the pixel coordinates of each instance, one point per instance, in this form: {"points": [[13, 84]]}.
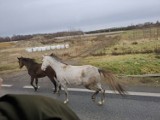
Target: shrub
{"points": [[134, 43], [157, 50]]}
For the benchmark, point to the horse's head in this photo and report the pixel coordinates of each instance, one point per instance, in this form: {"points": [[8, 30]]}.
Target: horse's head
{"points": [[45, 63], [20, 61]]}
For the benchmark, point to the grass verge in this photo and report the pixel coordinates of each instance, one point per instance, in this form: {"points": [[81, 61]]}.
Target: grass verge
{"points": [[127, 64]]}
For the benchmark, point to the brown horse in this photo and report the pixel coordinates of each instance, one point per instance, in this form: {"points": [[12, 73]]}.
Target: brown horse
{"points": [[35, 72]]}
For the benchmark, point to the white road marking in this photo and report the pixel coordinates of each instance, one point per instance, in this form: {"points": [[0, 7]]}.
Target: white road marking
{"points": [[112, 92], [29, 86], [86, 90], [6, 85], [144, 94]]}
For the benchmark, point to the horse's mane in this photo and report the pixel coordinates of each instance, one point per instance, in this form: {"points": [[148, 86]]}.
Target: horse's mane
{"points": [[31, 60], [57, 58]]}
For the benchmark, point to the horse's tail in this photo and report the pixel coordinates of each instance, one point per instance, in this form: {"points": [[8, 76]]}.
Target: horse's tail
{"points": [[110, 79]]}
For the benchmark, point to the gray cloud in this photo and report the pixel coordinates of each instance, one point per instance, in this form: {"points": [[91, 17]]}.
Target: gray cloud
{"points": [[42, 16]]}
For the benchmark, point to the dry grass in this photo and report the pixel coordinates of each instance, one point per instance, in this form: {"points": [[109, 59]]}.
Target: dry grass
{"points": [[134, 47], [4, 45]]}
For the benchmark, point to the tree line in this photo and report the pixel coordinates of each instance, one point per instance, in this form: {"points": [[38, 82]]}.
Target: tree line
{"points": [[130, 27], [15, 38], [79, 32], [47, 36]]}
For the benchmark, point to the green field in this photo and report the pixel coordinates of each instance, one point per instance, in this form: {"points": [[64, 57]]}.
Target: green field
{"points": [[127, 64]]}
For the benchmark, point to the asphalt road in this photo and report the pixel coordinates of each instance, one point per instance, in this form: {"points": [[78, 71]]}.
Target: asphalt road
{"points": [[116, 107]]}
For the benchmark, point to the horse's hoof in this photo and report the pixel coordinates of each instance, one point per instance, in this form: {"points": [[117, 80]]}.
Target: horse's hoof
{"points": [[93, 99], [100, 103], [54, 92], [58, 93], [66, 101], [36, 89]]}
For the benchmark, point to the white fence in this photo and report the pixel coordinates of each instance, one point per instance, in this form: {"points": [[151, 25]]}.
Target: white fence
{"points": [[44, 48]]}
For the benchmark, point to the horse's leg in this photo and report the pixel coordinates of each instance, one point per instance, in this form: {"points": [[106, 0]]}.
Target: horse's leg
{"points": [[102, 95], [97, 87], [54, 83], [58, 87], [94, 95], [66, 93], [93, 87], [32, 79], [36, 84]]}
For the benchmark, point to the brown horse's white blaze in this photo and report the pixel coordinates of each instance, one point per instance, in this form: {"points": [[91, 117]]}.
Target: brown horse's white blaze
{"points": [[87, 75]]}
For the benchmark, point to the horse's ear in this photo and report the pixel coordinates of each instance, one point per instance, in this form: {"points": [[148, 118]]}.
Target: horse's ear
{"points": [[18, 58], [51, 54]]}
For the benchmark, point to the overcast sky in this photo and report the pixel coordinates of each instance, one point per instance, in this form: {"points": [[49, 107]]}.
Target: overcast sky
{"points": [[47, 16]]}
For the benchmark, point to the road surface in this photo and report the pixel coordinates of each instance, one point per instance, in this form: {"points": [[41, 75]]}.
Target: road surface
{"points": [[139, 105]]}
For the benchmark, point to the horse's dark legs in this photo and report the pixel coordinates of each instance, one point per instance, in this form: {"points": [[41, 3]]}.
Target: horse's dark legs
{"points": [[35, 88], [93, 87], [36, 84], [94, 95], [54, 83], [98, 88], [102, 96]]}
